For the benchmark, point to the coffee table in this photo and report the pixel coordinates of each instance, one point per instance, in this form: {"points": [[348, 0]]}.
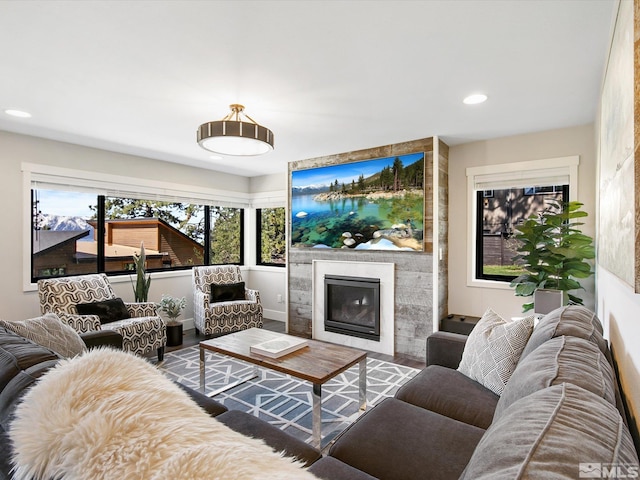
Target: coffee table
{"points": [[317, 363]]}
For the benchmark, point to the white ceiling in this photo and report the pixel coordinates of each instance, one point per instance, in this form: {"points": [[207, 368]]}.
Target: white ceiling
{"points": [[326, 77]]}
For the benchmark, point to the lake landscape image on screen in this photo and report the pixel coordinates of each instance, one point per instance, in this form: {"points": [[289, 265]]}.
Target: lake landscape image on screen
{"points": [[375, 204]]}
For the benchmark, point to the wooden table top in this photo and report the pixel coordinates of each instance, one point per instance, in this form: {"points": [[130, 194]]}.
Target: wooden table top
{"points": [[318, 362]]}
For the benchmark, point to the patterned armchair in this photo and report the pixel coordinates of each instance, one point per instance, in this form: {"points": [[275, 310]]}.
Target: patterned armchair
{"points": [[142, 333], [224, 316]]}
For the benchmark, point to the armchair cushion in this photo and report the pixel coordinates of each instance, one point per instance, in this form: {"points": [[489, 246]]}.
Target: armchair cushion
{"points": [[227, 293], [49, 332], [108, 310]]}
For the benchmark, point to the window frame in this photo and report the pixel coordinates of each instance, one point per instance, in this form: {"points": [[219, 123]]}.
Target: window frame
{"points": [[208, 239], [479, 248], [258, 242], [514, 174], [102, 259], [36, 176]]}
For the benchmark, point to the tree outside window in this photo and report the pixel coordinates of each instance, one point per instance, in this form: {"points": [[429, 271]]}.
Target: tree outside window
{"points": [[271, 236], [226, 244]]}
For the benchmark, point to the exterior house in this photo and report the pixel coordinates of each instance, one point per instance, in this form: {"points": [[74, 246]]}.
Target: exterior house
{"points": [[502, 210], [72, 253], [54, 253]]}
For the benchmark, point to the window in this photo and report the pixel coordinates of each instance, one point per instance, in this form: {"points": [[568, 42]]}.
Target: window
{"points": [[270, 238], [501, 197], [226, 236], [62, 236], [172, 233], [497, 218], [66, 228], [544, 189]]}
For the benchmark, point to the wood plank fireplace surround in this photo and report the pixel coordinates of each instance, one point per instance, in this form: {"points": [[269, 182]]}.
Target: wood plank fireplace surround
{"points": [[413, 285]]}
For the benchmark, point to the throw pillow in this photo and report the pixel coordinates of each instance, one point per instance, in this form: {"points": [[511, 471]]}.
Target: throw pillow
{"points": [[49, 332], [493, 349], [227, 293], [108, 310]]}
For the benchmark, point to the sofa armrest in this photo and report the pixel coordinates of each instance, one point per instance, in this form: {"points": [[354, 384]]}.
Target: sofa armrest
{"points": [[208, 404], [201, 298], [334, 469], [141, 309], [81, 323], [100, 338], [277, 439], [445, 348], [252, 295]]}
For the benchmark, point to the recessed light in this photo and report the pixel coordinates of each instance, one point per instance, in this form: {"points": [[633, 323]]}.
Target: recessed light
{"points": [[475, 99], [18, 113]]}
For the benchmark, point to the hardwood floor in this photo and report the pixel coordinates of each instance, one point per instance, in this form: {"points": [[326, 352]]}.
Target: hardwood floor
{"points": [[190, 338]]}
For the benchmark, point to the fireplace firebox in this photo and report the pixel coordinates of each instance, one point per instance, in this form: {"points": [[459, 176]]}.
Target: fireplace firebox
{"points": [[352, 306]]}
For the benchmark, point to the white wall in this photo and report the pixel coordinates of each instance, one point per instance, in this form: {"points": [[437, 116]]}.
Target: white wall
{"points": [[16, 149], [276, 182], [473, 301], [270, 191], [618, 305], [619, 310], [271, 282]]}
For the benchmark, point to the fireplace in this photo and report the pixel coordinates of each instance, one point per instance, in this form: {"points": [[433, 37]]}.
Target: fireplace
{"points": [[352, 306]]}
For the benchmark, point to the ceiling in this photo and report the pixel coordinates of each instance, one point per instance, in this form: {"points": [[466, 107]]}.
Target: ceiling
{"points": [[326, 77]]}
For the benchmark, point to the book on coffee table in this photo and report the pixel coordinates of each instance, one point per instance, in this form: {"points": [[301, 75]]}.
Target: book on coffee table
{"points": [[279, 346]]}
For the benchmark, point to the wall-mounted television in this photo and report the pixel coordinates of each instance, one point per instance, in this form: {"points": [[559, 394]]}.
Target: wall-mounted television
{"points": [[375, 204]]}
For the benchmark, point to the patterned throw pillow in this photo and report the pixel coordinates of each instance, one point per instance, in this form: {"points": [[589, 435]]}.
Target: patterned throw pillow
{"points": [[49, 332], [493, 349]]}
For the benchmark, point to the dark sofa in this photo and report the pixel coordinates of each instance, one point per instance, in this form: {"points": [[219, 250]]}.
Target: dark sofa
{"points": [[22, 362], [559, 412]]}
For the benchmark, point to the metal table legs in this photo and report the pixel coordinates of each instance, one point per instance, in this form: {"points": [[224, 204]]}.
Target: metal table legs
{"points": [[317, 403], [251, 376], [316, 395]]}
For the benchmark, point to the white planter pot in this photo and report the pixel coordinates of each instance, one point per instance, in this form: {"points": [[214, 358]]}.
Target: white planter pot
{"points": [[545, 301]]}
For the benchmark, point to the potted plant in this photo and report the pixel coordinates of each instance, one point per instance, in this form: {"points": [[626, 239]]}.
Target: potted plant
{"points": [[554, 252], [143, 282], [173, 307]]}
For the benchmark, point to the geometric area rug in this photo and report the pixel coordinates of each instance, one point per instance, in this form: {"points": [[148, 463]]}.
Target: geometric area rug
{"points": [[282, 400]]}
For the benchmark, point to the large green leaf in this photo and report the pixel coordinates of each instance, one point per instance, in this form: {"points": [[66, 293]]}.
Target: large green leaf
{"points": [[527, 306], [525, 289], [575, 300], [553, 250]]}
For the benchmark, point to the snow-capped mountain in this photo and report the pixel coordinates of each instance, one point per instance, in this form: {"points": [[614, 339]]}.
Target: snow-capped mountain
{"points": [[62, 223], [309, 189]]}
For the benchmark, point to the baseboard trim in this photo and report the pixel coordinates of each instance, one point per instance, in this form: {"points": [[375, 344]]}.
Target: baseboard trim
{"points": [[274, 315], [189, 324]]}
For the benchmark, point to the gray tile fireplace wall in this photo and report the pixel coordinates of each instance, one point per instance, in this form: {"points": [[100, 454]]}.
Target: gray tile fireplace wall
{"points": [[417, 285]]}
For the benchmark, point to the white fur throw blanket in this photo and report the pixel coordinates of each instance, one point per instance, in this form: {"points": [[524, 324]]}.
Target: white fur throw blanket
{"points": [[110, 415]]}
